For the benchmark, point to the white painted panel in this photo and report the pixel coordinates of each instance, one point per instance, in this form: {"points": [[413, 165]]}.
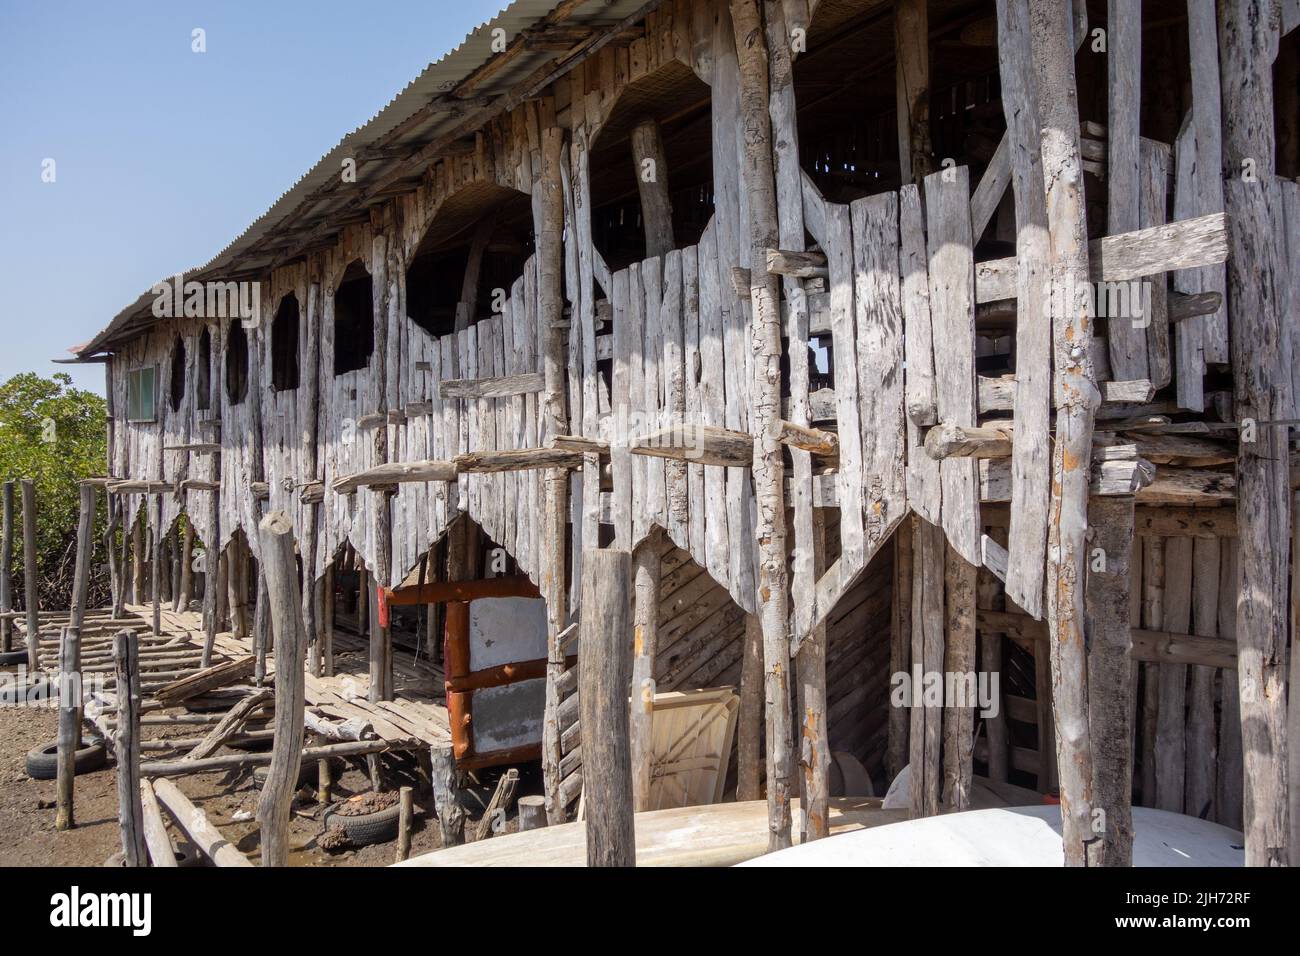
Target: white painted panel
{"points": [[506, 631]]}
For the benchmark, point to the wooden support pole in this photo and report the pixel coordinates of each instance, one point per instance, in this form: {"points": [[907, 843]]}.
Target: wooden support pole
{"points": [[1109, 675], [116, 555], [650, 164], [279, 569], [85, 554], [404, 813], [813, 731], [749, 730], [604, 666], [185, 587], [126, 747], [69, 736], [327, 636], [137, 557], [548, 198], [1293, 714], [646, 568], [959, 664], [261, 628], [1248, 43], [31, 598], [7, 570], [446, 795], [1053, 53], [155, 564], [900, 646], [927, 659], [912, 84], [768, 464], [468, 304], [989, 595]]}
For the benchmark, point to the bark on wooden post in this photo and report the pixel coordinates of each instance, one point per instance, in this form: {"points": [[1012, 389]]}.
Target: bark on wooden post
{"points": [[768, 462], [651, 168], [1109, 676], [604, 668], [912, 85], [647, 569], [749, 721], [404, 796], [1077, 400], [549, 227], [7, 570], [31, 599], [446, 795], [126, 747], [69, 736], [280, 571], [1248, 38], [185, 589]]}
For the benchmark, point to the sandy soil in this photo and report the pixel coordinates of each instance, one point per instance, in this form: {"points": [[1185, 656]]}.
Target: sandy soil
{"points": [[28, 837]]}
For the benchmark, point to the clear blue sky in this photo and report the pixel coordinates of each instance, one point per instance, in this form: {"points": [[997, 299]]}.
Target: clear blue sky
{"points": [[163, 155]]}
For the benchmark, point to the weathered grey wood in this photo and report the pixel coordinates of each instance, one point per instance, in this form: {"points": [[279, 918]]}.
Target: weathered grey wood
{"points": [[467, 306], [1293, 711], [1171, 727], [532, 813], [1068, 515], [161, 852], [647, 570], [993, 184], [230, 724], [1231, 781], [1200, 781], [990, 595], [405, 798], [650, 164], [749, 724], [185, 586], [126, 748], [195, 823], [1182, 244], [605, 663], [31, 600], [1027, 538], [700, 444], [952, 304], [499, 805], [69, 733], [928, 657], [1127, 340], [797, 265], [813, 732], [912, 84], [923, 482], [948, 440], [1153, 175], [772, 585], [1248, 38], [959, 660], [1109, 673], [501, 387], [279, 567]]}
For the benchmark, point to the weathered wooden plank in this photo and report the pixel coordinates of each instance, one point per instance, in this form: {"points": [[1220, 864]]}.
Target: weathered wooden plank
{"points": [[952, 304], [502, 386], [923, 484]]}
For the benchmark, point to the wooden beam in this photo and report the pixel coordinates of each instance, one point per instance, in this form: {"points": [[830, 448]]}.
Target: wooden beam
{"points": [[947, 440], [195, 823], [698, 444], [437, 592], [650, 166], [523, 459], [396, 473], [797, 265], [525, 383]]}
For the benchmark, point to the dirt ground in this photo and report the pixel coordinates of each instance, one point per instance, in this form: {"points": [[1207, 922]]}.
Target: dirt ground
{"points": [[28, 837]]}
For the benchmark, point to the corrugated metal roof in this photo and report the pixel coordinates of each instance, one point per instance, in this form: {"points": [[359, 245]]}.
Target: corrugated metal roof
{"points": [[436, 79]]}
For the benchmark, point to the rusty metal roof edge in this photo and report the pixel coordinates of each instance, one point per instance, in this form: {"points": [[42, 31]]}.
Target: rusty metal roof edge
{"points": [[439, 76]]}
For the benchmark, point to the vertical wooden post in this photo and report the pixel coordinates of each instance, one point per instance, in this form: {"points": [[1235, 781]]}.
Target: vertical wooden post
{"points": [[116, 557], [31, 597], [137, 557], [813, 733], [647, 569], [548, 204], [7, 570], [155, 565], [85, 554], [126, 746], [749, 729], [1109, 676], [213, 585], [1248, 42], [185, 587], [604, 666], [768, 468], [989, 595], [363, 598], [959, 662], [327, 655], [900, 646], [650, 164], [404, 796], [261, 627], [1076, 387], [69, 736], [451, 816], [927, 659], [279, 570], [912, 84]]}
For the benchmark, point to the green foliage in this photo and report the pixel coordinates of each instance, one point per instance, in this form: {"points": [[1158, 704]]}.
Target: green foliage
{"points": [[55, 435]]}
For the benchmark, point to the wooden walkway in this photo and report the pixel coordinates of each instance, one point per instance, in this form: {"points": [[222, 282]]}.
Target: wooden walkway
{"points": [[416, 718]]}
